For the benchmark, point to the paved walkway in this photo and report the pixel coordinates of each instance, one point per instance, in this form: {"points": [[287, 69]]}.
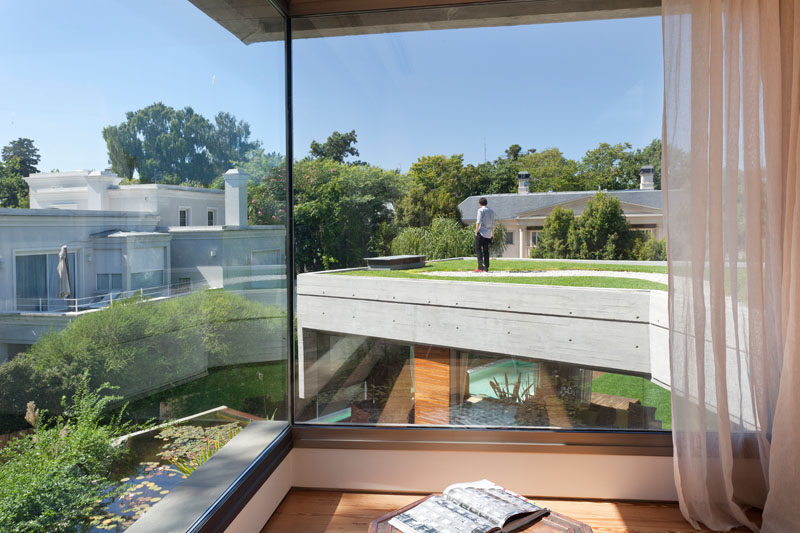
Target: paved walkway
{"points": [[649, 276]]}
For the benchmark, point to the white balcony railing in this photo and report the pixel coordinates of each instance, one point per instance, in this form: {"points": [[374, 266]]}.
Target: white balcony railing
{"points": [[99, 301]]}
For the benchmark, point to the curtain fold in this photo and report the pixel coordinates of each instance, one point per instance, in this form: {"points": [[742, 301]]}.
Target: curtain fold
{"points": [[730, 173]]}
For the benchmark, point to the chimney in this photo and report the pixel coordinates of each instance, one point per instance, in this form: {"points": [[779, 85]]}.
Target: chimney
{"points": [[646, 178], [523, 182], [97, 185], [236, 197]]}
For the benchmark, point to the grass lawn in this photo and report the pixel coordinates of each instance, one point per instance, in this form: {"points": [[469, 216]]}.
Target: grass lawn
{"points": [[568, 281], [462, 265], [642, 389], [512, 265], [237, 387]]}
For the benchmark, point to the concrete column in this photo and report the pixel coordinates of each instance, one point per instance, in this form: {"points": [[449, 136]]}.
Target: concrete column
{"points": [[236, 197], [521, 242]]}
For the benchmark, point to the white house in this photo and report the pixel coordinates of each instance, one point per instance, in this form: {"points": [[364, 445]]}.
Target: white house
{"points": [[157, 240], [523, 213]]}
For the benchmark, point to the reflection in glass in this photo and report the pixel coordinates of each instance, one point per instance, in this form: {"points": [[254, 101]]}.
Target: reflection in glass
{"points": [[176, 292], [353, 379]]}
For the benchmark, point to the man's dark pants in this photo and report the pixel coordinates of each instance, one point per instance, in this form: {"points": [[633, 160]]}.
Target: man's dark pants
{"points": [[482, 251]]}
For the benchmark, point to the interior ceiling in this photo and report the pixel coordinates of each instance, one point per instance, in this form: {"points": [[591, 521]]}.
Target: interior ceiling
{"points": [[253, 21]]}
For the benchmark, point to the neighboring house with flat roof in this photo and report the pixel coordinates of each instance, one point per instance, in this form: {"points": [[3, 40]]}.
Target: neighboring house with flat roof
{"points": [[523, 213], [155, 240]]}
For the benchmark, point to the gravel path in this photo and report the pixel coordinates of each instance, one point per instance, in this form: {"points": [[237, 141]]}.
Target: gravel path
{"points": [[649, 276]]}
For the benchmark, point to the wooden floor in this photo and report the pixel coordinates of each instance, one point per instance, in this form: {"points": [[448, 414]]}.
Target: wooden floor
{"points": [[316, 511]]}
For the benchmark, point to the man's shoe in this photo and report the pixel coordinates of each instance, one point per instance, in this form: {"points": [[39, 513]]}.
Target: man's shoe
{"points": [[477, 270]]}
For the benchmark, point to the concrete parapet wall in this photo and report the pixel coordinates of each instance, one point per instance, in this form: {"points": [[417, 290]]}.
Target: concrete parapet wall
{"points": [[620, 330]]}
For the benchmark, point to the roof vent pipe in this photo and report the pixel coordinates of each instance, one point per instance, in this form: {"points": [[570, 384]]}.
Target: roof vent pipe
{"points": [[523, 182]]}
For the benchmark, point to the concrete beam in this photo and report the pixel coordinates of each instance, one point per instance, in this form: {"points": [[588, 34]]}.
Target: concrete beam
{"points": [[607, 329], [253, 21]]}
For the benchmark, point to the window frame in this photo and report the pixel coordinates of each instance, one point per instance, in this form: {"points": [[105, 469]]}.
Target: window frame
{"points": [[188, 221], [368, 437]]}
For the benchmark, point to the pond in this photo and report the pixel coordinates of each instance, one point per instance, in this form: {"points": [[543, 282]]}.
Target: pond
{"points": [[158, 461]]}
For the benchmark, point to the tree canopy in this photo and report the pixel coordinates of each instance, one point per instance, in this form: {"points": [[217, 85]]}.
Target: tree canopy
{"points": [[337, 147], [340, 210], [170, 145], [19, 160], [13, 189], [602, 231], [436, 188], [554, 237], [27, 154], [613, 167]]}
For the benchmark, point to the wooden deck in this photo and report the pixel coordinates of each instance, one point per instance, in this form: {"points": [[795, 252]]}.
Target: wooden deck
{"points": [[317, 511]]}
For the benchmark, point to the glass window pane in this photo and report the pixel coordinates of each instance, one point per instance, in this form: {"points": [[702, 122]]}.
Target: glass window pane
{"points": [[180, 117], [141, 280], [465, 254], [31, 282]]}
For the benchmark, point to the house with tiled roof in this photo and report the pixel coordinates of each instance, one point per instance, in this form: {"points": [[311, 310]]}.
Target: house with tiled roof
{"points": [[523, 213]]}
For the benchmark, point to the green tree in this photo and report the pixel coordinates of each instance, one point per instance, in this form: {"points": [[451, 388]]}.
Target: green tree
{"points": [[602, 231], [609, 167], [170, 145], [339, 212], [512, 152], [24, 150], [553, 240], [647, 248], [437, 186], [262, 206], [496, 177], [230, 142], [13, 189], [267, 168], [550, 171], [337, 147]]}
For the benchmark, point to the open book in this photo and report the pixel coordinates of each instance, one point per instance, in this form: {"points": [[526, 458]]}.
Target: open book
{"points": [[477, 507]]}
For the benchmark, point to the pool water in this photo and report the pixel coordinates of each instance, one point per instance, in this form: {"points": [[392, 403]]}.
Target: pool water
{"points": [[145, 476], [480, 377]]}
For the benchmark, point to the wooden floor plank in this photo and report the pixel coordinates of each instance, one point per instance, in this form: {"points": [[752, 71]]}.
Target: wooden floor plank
{"points": [[318, 511]]}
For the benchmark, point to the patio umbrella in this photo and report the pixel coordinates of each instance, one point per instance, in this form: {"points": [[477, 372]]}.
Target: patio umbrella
{"points": [[64, 287]]}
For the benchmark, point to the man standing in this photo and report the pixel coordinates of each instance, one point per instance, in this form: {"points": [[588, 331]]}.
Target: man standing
{"points": [[483, 235]]}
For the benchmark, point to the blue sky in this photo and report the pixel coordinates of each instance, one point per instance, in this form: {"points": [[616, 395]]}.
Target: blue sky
{"points": [[70, 69]]}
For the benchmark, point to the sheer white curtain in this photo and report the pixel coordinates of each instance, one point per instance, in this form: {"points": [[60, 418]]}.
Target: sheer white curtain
{"points": [[731, 200]]}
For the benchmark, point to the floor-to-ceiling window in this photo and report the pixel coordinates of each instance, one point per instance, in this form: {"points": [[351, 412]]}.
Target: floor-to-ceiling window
{"points": [[122, 126], [401, 125]]}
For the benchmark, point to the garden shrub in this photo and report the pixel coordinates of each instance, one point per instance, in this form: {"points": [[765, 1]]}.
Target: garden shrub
{"points": [[55, 479], [141, 346], [648, 248], [554, 235], [602, 231], [443, 239]]}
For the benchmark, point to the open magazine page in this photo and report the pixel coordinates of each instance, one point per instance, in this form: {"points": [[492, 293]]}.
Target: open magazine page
{"points": [[491, 501], [438, 515]]}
